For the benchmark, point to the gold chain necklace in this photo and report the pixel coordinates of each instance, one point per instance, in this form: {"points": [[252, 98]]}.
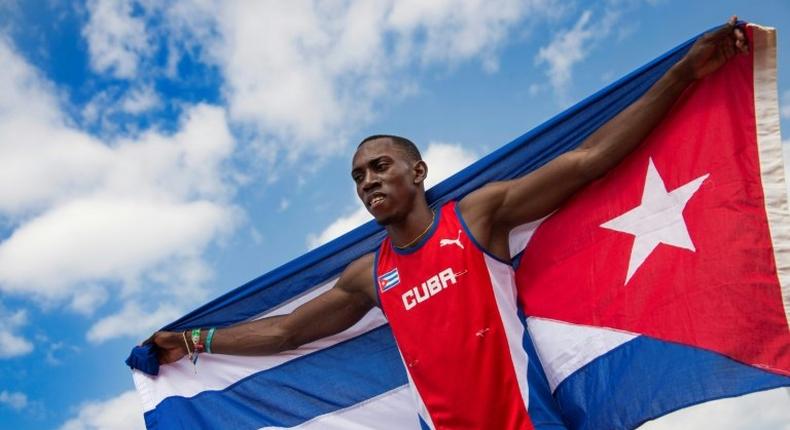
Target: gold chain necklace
{"points": [[433, 217]]}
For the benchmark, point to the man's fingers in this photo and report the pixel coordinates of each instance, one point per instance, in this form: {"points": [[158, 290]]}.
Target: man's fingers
{"points": [[731, 35], [729, 50], [723, 31], [740, 41], [742, 46]]}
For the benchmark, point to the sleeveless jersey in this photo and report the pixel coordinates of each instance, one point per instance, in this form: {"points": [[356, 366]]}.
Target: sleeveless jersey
{"points": [[452, 310]]}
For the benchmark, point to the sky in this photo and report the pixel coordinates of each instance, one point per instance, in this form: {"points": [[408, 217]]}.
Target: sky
{"points": [[154, 155]]}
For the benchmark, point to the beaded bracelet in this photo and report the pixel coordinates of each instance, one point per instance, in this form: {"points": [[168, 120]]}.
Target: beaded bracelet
{"points": [[197, 347]]}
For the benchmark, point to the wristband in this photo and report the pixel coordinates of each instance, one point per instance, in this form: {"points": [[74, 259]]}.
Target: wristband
{"points": [[209, 338]]}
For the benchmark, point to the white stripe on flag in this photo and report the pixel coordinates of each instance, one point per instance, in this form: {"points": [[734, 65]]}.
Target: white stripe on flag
{"points": [[564, 348], [393, 410]]}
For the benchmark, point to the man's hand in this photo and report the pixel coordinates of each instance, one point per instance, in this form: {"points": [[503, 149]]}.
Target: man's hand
{"points": [[713, 49], [170, 346]]}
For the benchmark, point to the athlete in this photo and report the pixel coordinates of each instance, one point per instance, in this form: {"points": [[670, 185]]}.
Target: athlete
{"points": [[443, 277]]}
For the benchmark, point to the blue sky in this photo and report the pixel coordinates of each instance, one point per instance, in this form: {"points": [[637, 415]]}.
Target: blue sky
{"points": [[154, 156]]}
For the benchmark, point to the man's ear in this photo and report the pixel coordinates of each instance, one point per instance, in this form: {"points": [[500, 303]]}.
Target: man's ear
{"points": [[420, 172]]}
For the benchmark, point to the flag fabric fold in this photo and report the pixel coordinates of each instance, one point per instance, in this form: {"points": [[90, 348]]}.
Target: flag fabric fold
{"points": [[595, 342]]}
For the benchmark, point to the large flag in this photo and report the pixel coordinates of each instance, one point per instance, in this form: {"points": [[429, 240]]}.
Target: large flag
{"points": [[591, 342], [666, 283]]}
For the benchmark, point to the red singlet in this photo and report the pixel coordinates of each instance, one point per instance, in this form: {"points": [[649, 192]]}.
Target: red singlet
{"points": [[452, 309]]}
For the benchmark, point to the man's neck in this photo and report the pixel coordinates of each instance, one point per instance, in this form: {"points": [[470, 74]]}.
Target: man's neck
{"points": [[409, 230]]}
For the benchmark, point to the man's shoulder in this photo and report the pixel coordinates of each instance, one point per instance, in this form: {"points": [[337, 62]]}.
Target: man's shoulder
{"points": [[358, 275]]}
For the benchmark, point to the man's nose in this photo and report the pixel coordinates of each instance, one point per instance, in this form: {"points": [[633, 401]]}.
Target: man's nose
{"points": [[370, 180]]}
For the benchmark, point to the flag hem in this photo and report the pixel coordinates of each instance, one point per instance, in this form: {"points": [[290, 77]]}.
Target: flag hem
{"points": [[769, 143]]}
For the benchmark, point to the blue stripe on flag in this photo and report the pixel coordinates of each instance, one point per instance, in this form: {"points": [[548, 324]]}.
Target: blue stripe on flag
{"points": [[646, 378], [294, 392]]}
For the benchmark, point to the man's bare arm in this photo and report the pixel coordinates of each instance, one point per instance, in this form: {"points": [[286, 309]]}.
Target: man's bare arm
{"points": [[495, 209], [329, 313]]}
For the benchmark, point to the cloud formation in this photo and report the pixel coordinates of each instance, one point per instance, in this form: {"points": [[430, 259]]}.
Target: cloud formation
{"points": [[88, 214], [11, 343], [14, 400], [124, 412], [145, 322], [303, 75], [116, 38], [568, 48]]}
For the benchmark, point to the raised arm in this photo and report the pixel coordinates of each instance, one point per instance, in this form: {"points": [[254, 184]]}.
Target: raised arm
{"points": [[329, 313], [495, 209]]}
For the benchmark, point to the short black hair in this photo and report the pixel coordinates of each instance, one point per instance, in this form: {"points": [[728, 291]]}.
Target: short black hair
{"points": [[408, 147]]}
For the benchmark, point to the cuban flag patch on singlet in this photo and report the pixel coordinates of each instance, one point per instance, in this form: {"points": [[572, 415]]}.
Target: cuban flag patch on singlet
{"points": [[389, 280]]}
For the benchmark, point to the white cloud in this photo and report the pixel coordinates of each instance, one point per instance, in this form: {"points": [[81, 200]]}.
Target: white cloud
{"points": [[116, 238], [12, 344], [116, 39], [764, 410], [140, 99], [568, 48], [110, 108], [457, 30], [88, 214], [306, 74], [145, 322], [565, 50], [52, 352], [785, 109], [88, 298], [124, 412], [14, 400], [342, 225], [443, 160]]}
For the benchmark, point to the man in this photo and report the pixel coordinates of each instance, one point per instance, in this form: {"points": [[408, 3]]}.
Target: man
{"points": [[443, 278]]}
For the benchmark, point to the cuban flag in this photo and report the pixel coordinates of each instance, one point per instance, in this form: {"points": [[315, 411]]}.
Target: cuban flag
{"points": [[389, 280], [629, 319]]}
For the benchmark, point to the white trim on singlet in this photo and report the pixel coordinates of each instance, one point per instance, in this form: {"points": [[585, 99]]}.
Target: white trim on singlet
{"points": [[422, 410], [503, 282]]}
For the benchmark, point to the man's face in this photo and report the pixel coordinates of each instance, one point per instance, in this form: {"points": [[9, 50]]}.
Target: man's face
{"points": [[386, 180]]}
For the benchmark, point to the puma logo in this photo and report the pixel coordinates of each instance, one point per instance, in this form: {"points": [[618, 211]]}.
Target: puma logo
{"points": [[456, 241]]}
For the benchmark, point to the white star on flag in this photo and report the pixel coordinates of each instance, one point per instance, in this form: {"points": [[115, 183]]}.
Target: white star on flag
{"points": [[658, 219]]}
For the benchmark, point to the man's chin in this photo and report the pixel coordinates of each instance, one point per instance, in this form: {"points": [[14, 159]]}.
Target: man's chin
{"points": [[383, 219]]}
